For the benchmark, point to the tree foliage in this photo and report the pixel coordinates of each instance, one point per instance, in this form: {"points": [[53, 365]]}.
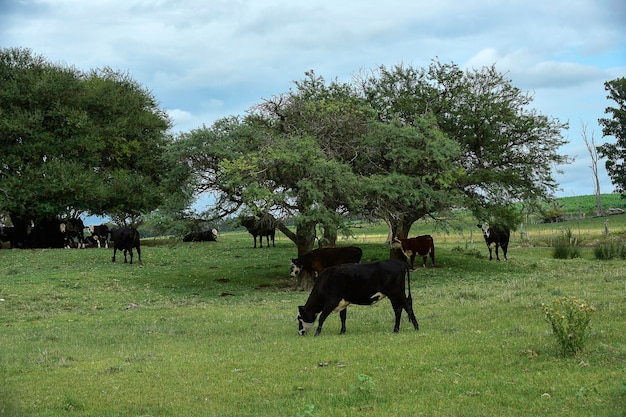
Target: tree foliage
{"points": [[397, 144], [88, 142], [615, 126]]}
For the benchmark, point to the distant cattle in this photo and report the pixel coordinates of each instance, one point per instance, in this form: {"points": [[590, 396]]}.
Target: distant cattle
{"points": [[13, 235], [47, 232], [496, 236], [420, 245], [73, 231], [126, 239], [314, 262], [264, 226], [338, 286], [100, 235], [206, 236]]}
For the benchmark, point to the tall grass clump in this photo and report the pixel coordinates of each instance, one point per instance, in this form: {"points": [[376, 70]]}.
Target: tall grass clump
{"points": [[566, 246], [610, 250], [569, 318]]}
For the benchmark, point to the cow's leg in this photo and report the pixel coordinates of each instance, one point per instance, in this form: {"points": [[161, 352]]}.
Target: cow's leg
{"points": [[504, 250], [490, 256], [139, 255], [497, 256], [114, 250], [413, 260], [323, 315], [397, 309], [342, 316], [131, 255], [424, 260]]}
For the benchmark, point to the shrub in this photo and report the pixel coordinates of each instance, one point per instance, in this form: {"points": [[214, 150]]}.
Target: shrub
{"points": [[569, 318], [566, 246], [610, 250]]}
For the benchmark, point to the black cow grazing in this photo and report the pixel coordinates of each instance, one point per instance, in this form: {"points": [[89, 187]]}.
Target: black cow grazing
{"points": [[265, 226], [421, 245], [314, 262], [126, 239], [206, 236], [496, 236], [338, 286], [100, 234]]}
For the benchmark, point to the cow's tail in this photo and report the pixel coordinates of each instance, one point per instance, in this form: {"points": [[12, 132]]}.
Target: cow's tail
{"points": [[408, 280]]}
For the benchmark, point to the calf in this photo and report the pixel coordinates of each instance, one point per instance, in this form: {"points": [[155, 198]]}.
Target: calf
{"points": [[314, 262], [206, 236], [496, 235], [260, 227], [126, 239], [420, 245], [338, 286]]}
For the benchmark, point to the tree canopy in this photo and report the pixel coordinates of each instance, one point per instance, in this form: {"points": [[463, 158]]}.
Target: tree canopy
{"points": [[397, 144], [72, 141], [615, 126]]}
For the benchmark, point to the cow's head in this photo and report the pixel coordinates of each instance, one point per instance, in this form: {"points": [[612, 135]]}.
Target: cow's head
{"points": [[485, 228], [305, 321], [296, 267], [215, 233]]}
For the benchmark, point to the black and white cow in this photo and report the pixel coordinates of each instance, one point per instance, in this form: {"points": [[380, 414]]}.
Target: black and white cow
{"points": [[314, 262], [126, 239], [265, 226], [100, 234], [205, 236], [338, 286], [496, 236], [73, 229]]}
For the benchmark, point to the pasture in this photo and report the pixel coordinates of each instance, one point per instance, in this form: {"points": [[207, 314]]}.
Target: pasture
{"points": [[209, 329]]}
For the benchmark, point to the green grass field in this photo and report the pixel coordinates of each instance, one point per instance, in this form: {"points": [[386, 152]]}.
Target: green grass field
{"points": [[209, 329]]}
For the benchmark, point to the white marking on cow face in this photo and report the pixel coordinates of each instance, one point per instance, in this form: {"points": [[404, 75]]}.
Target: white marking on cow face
{"points": [[303, 326], [215, 233], [341, 306], [91, 229], [295, 270], [377, 297], [486, 230]]}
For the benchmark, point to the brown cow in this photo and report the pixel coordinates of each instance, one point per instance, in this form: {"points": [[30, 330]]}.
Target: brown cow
{"points": [[315, 261], [420, 245]]}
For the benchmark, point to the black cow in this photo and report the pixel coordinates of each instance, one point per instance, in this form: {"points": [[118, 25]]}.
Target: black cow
{"points": [[15, 236], [48, 232], [100, 234], [338, 286], [496, 236], [265, 226], [421, 245], [314, 262], [206, 236], [73, 229], [126, 239]]}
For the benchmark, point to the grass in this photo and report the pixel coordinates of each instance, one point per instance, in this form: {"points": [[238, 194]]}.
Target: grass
{"points": [[208, 329]]}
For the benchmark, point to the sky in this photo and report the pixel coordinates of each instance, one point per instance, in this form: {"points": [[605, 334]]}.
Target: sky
{"points": [[208, 59]]}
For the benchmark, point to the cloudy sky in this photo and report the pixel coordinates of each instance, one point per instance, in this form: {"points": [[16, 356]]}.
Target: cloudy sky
{"points": [[205, 59]]}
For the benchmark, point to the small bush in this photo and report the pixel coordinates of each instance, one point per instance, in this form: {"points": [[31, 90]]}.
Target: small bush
{"points": [[566, 246], [569, 318], [610, 250]]}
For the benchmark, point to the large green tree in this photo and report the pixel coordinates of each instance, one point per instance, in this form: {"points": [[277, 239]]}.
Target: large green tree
{"points": [[508, 152], [72, 141], [615, 126]]}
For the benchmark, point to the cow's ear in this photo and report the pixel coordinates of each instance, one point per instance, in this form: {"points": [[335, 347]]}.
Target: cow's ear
{"points": [[480, 225]]}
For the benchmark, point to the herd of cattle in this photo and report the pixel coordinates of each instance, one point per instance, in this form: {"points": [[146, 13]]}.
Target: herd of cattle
{"points": [[340, 277]]}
